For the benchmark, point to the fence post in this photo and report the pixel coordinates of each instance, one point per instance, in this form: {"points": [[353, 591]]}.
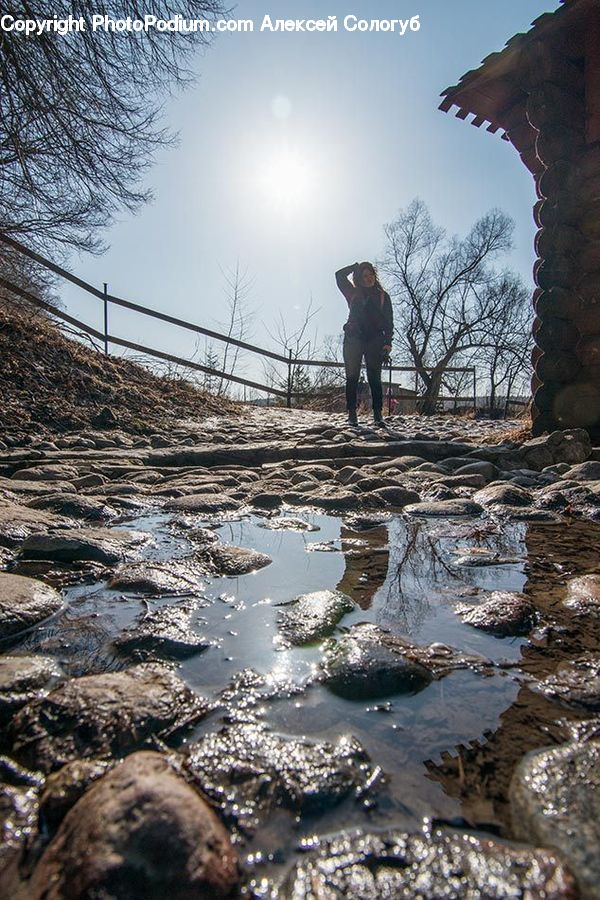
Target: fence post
{"points": [[289, 380], [105, 319], [390, 389], [475, 392]]}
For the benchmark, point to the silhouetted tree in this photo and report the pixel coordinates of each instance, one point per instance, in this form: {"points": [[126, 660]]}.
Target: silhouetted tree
{"points": [[80, 116]]}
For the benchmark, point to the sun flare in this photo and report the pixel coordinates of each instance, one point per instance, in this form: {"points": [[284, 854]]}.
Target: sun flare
{"points": [[286, 181]]}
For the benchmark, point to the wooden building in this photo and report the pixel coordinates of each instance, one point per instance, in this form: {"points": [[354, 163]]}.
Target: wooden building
{"points": [[542, 95]]}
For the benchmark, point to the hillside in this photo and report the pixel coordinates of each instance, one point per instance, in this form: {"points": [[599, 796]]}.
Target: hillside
{"points": [[51, 384]]}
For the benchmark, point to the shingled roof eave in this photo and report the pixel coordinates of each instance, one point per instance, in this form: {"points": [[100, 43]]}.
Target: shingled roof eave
{"points": [[474, 93]]}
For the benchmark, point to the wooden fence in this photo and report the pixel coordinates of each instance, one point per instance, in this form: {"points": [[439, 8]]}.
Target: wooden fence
{"points": [[289, 359]]}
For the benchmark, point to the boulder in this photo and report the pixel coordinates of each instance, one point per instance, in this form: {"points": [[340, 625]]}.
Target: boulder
{"points": [[62, 789], [249, 772], [101, 716], [104, 545], [583, 595], [157, 578], [140, 831], [164, 633], [225, 559], [427, 865], [23, 679], [74, 505], [503, 495], [503, 614], [361, 667], [555, 801], [18, 826], [445, 509], [203, 504], [576, 683], [25, 602], [313, 616], [397, 496]]}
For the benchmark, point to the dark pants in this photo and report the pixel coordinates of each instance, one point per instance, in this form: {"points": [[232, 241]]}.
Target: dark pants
{"points": [[372, 350]]}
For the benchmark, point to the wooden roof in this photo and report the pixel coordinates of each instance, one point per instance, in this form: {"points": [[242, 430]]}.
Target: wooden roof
{"points": [[494, 93]]}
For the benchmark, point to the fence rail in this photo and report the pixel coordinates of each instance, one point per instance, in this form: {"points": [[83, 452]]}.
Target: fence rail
{"points": [[289, 360]]}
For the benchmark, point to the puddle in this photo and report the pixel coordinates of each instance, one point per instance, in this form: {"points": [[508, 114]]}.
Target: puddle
{"points": [[447, 752]]}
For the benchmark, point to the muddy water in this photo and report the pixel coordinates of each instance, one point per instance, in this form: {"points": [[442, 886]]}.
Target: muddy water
{"points": [[447, 752]]}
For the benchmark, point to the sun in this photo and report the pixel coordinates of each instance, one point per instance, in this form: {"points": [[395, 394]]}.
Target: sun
{"points": [[286, 180]]}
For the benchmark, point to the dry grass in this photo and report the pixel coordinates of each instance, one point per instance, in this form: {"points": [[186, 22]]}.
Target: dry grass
{"points": [[50, 384]]}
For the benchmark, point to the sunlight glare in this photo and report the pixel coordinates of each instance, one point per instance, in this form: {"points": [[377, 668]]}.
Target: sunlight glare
{"points": [[286, 181]]}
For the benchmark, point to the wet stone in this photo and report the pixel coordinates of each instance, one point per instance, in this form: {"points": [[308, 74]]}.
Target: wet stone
{"points": [[18, 825], [18, 522], [576, 683], [25, 602], [103, 716], [158, 838], [203, 503], [157, 579], [359, 667], [502, 614], [287, 523], [249, 771], [365, 521], [224, 559], [426, 865], [25, 678], [583, 595], [397, 496], [313, 616], [164, 633], [444, 508], [555, 801], [104, 545], [62, 789], [503, 495], [75, 506]]}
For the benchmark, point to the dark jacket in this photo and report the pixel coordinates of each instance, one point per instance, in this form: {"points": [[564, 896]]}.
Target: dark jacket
{"points": [[370, 309]]}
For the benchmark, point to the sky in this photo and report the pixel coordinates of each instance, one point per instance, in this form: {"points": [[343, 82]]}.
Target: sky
{"points": [[294, 151]]}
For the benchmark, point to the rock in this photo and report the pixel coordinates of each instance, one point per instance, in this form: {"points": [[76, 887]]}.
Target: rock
{"points": [[313, 616], [140, 831], [366, 521], [103, 716], [35, 488], [47, 473], [25, 602], [397, 496], [503, 614], [576, 683], [25, 678], [224, 559], [203, 503], [18, 825], [75, 506], [267, 500], [555, 801], [428, 865], [572, 446], [249, 772], [503, 495], [157, 579], [105, 419], [18, 522], [360, 667], [444, 508], [62, 789], [586, 471], [104, 545], [481, 467], [583, 595], [288, 523], [164, 633]]}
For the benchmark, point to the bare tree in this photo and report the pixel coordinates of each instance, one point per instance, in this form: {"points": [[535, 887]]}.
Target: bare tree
{"points": [[297, 344], [80, 116], [446, 293], [240, 320]]}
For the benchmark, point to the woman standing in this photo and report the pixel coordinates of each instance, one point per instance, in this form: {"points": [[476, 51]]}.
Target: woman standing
{"points": [[367, 333]]}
